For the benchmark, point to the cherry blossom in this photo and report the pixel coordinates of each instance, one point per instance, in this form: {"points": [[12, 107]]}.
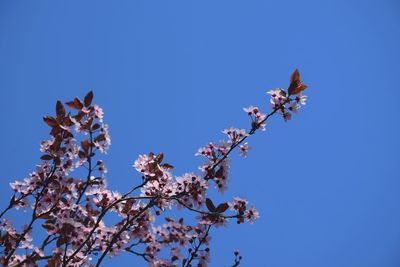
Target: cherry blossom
{"points": [[244, 149]]}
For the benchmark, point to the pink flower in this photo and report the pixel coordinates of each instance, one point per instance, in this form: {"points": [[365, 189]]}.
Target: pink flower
{"points": [[293, 107], [207, 151], [278, 97], [98, 113], [235, 134], [238, 204], [301, 99], [257, 117], [244, 149], [221, 175], [251, 110], [101, 167], [252, 214], [142, 165]]}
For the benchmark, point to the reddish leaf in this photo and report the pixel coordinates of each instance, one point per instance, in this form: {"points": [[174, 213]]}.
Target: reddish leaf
{"points": [[70, 104], [81, 154], [78, 103], [45, 216], [296, 87], [54, 261], [67, 121], [100, 137], [167, 166], [46, 157], [60, 110], [95, 127], [57, 142], [88, 99], [210, 205], [50, 121], [55, 131], [128, 205], [85, 145], [68, 134], [222, 207], [57, 161], [160, 157], [48, 226], [220, 172], [169, 219], [61, 241]]}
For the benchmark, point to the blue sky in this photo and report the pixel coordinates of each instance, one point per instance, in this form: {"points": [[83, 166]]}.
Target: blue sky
{"points": [[171, 75]]}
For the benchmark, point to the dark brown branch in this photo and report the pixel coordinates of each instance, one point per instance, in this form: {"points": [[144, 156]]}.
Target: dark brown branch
{"points": [[193, 254]]}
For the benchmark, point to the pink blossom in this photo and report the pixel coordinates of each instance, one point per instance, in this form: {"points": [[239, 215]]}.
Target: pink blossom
{"points": [[98, 113], [251, 110], [301, 99], [257, 117], [252, 214], [143, 164], [221, 176], [278, 97], [235, 134], [293, 107], [244, 149]]}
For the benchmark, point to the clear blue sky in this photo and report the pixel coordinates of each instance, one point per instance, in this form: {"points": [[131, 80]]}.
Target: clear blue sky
{"points": [[171, 74]]}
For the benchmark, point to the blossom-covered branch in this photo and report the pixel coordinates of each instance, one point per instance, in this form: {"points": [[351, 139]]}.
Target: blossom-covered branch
{"points": [[71, 209]]}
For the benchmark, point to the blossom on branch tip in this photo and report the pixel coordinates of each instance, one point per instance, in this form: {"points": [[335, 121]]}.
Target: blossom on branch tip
{"points": [[235, 134], [252, 214], [301, 99], [251, 110], [278, 97]]}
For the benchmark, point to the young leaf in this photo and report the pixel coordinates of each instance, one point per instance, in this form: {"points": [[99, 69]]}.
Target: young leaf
{"points": [[46, 157], [95, 127], [88, 99], [60, 110], [167, 166], [48, 226], [60, 241], [100, 137], [72, 104], [222, 207], [50, 121], [160, 157], [296, 87], [210, 205], [78, 103], [85, 145]]}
